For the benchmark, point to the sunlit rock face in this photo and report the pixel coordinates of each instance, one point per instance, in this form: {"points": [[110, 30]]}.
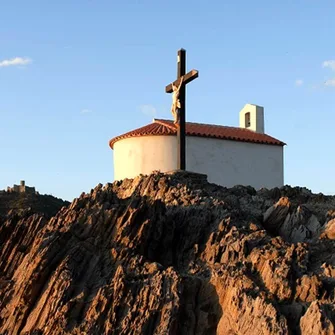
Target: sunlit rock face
{"points": [[171, 254]]}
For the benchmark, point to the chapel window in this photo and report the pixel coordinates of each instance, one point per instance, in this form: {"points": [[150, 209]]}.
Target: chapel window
{"points": [[247, 120]]}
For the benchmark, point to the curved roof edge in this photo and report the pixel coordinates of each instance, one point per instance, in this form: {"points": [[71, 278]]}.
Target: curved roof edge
{"points": [[167, 127]]}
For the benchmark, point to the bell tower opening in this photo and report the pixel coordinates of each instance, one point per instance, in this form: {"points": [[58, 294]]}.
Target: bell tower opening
{"points": [[247, 120]]}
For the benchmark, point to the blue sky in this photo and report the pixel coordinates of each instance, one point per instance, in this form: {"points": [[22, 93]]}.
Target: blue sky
{"points": [[74, 74]]}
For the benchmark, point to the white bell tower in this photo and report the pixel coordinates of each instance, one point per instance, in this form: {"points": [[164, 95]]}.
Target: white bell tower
{"points": [[252, 117]]}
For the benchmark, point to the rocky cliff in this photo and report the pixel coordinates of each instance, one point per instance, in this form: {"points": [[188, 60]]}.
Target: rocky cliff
{"points": [[172, 254]]}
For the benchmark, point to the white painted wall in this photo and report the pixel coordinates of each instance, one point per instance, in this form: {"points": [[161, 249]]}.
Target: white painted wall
{"points": [[227, 163], [230, 163], [136, 155]]}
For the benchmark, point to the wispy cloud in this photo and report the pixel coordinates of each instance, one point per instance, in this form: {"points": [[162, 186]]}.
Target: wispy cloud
{"points": [[329, 63], [299, 82], [17, 61], [330, 82], [148, 110], [86, 111]]}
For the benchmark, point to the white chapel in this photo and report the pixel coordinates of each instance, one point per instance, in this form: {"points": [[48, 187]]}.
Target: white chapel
{"points": [[229, 156]]}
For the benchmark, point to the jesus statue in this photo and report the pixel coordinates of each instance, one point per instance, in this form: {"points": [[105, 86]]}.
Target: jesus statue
{"points": [[175, 101]]}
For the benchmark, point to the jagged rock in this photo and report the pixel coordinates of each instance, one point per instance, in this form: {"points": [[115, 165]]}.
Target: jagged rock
{"points": [[171, 254], [276, 215], [308, 288], [329, 230], [299, 225], [318, 320]]}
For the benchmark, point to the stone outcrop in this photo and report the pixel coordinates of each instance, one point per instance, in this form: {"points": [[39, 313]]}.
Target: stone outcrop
{"points": [[172, 254]]}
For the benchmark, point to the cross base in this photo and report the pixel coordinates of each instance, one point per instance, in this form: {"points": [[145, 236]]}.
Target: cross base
{"points": [[188, 174]]}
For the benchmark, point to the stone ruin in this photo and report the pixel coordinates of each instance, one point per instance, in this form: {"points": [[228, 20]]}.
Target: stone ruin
{"points": [[22, 188]]}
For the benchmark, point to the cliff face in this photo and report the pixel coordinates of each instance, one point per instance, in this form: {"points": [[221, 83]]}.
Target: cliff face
{"points": [[172, 254]]}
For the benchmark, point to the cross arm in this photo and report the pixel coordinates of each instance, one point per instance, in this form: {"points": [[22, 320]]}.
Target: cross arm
{"points": [[187, 78]]}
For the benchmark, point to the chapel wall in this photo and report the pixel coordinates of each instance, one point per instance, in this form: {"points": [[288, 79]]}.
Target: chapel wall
{"points": [[142, 155], [230, 163], [226, 163]]}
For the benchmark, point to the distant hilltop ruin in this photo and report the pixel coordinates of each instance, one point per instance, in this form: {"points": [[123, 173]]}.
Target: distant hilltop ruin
{"points": [[22, 188]]}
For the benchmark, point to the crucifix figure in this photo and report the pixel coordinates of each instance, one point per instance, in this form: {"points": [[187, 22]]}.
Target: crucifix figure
{"points": [[176, 102], [178, 108]]}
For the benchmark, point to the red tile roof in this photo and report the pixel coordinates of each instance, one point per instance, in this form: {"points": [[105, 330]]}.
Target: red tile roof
{"points": [[167, 127]]}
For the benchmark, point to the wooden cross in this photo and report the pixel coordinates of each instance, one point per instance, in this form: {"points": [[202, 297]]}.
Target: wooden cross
{"points": [[181, 131]]}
